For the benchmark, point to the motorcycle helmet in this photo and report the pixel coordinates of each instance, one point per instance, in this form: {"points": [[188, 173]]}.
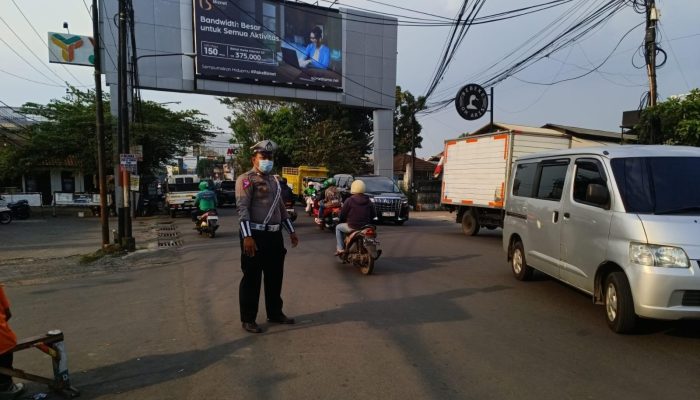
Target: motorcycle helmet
{"points": [[329, 182], [203, 185], [357, 187]]}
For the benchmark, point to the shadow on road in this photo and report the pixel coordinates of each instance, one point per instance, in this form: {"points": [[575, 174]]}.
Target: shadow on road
{"points": [[407, 265], [390, 316]]}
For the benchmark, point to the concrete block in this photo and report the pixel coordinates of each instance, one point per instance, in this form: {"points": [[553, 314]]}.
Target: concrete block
{"points": [[167, 13], [373, 67], [168, 39]]}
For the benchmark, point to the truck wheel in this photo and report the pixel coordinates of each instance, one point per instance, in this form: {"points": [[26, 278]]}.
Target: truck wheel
{"points": [[470, 226], [618, 302], [518, 263]]}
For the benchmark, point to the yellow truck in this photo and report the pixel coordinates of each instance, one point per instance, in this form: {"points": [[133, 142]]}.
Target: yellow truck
{"points": [[296, 176]]}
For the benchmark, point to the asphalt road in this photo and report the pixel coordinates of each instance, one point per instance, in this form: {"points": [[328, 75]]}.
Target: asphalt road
{"points": [[441, 318]]}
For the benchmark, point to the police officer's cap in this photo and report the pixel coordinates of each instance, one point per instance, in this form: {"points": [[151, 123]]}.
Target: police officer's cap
{"points": [[266, 146]]}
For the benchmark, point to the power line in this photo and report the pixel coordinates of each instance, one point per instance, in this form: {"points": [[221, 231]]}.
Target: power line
{"points": [[30, 80], [41, 62], [27, 62], [102, 42], [43, 40]]}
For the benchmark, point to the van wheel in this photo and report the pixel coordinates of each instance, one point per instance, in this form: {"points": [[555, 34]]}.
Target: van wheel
{"points": [[518, 263], [618, 302], [470, 226]]}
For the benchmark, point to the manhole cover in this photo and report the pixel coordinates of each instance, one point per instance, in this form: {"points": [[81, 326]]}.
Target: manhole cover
{"points": [[170, 243], [167, 234]]}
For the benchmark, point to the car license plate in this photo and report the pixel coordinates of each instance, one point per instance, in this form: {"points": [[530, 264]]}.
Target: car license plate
{"points": [[388, 214]]}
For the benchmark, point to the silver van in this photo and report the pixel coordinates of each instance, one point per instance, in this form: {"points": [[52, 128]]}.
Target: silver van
{"points": [[621, 223]]}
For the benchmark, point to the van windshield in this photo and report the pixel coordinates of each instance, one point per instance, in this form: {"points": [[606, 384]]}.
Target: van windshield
{"points": [[659, 185]]}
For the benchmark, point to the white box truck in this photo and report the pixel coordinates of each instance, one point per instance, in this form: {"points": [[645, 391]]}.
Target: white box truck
{"points": [[476, 169]]}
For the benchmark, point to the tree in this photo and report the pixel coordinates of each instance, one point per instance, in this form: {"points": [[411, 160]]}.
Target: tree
{"points": [[678, 119], [333, 136], [66, 130], [407, 129]]}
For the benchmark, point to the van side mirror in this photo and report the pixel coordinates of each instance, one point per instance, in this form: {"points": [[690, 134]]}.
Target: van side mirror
{"points": [[597, 194]]}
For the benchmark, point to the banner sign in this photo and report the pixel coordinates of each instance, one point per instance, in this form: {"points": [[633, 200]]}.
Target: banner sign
{"points": [[128, 162], [76, 199], [268, 41], [66, 48]]}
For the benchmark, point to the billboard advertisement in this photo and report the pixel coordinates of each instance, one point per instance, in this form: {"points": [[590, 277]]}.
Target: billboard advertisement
{"points": [[66, 48], [267, 41]]}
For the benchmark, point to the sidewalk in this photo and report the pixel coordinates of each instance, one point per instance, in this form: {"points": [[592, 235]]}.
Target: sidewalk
{"points": [[47, 248]]}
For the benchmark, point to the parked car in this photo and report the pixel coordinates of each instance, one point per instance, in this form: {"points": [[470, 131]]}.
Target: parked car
{"points": [[389, 202], [226, 193], [619, 223]]}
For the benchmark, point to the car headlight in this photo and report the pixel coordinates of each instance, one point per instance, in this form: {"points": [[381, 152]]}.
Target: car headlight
{"points": [[651, 255]]}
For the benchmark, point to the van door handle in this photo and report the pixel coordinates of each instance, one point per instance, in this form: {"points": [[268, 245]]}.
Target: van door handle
{"points": [[555, 217], [567, 215]]}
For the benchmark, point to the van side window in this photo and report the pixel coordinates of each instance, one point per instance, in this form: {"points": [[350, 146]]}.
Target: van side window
{"points": [[588, 172], [551, 184], [524, 179]]}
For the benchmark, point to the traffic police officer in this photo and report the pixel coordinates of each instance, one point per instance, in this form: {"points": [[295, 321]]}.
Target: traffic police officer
{"points": [[262, 215]]}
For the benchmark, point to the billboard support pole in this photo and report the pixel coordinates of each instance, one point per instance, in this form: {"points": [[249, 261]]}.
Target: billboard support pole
{"points": [[100, 128], [127, 241]]}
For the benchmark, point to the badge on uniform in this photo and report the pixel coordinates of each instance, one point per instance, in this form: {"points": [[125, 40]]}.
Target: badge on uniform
{"points": [[246, 183]]}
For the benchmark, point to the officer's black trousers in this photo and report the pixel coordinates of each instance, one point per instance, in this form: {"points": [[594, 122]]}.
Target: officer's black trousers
{"points": [[268, 260]]}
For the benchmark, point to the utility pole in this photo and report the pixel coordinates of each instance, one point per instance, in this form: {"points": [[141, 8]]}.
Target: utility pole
{"points": [[125, 235], [100, 127], [652, 16]]}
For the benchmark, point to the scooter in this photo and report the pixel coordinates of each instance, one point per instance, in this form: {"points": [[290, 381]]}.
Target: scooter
{"points": [[207, 223], [5, 215], [362, 249], [20, 209], [331, 216]]}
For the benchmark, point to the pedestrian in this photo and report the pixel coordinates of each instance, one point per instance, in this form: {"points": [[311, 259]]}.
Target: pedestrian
{"points": [[8, 340], [262, 214]]}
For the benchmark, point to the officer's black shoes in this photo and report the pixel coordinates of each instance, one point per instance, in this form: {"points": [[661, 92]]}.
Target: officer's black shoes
{"points": [[281, 319], [252, 327]]}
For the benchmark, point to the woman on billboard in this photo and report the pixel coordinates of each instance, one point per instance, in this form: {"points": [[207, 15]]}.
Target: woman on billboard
{"points": [[317, 54]]}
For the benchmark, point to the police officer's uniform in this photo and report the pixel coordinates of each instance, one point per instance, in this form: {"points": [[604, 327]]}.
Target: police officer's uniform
{"points": [[262, 215]]}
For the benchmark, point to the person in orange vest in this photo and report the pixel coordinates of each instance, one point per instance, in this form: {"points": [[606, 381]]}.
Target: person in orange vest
{"points": [[8, 340]]}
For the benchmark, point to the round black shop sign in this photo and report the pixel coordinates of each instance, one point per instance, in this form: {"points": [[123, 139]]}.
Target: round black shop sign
{"points": [[472, 102]]}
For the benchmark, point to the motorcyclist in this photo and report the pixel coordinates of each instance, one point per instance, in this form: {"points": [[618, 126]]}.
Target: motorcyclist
{"points": [[287, 193], [331, 198], [357, 212], [310, 193], [204, 201]]}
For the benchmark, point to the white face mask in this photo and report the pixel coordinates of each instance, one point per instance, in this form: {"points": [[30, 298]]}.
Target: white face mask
{"points": [[265, 166]]}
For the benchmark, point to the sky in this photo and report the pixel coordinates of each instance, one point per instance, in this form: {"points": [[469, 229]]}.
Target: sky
{"points": [[595, 101]]}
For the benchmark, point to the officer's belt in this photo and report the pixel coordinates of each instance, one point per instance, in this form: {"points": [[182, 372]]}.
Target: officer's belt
{"points": [[263, 227]]}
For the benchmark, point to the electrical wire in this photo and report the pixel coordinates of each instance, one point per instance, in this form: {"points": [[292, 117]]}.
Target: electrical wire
{"points": [[102, 42], [43, 40], [30, 80], [28, 63]]}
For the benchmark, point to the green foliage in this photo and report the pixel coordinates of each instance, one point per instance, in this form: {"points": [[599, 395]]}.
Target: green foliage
{"points": [[407, 129], [678, 120], [67, 131], [327, 135]]}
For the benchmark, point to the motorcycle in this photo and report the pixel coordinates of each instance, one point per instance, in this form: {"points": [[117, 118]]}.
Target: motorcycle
{"points": [[331, 216], [208, 223], [290, 210], [362, 249], [20, 209], [5, 215]]}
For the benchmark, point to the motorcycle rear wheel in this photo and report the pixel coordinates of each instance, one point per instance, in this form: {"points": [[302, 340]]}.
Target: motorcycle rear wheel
{"points": [[5, 218], [367, 262]]}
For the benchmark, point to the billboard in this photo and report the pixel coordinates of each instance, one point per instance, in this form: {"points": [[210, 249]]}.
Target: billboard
{"points": [[264, 41], [66, 48]]}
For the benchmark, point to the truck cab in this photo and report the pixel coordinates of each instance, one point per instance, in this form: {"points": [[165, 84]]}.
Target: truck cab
{"points": [[179, 190]]}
